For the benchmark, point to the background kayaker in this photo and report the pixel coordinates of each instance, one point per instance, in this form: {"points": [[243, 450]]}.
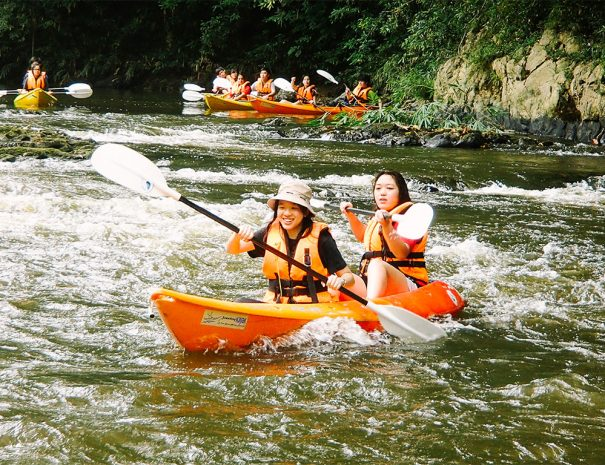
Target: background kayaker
{"points": [[362, 94], [306, 92], [293, 231], [34, 78], [232, 78], [264, 86], [241, 89], [221, 85], [391, 264]]}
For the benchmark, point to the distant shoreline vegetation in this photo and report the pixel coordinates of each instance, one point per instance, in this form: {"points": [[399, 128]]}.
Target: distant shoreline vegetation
{"points": [[400, 43]]}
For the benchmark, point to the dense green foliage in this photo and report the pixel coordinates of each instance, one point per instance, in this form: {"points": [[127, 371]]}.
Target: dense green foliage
{"points": [[401, 43]]}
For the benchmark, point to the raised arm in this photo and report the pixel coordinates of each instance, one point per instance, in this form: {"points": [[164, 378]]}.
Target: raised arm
{"points": [[357, 226]]}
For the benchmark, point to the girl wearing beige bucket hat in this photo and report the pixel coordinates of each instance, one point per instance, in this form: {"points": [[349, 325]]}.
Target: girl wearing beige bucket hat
{"points": [[293, 231]]}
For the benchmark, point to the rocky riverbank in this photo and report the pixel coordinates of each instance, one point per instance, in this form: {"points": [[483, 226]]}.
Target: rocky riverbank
{"points": [[397, 135], [547, 92], [30, 142]]}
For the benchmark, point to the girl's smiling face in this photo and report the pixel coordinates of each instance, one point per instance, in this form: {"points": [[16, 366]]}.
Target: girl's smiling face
{"points": [[386, 192], [290, 216]]}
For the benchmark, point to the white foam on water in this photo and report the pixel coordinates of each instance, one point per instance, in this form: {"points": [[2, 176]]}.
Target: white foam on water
{"points": [[363, 181], [245, 177], [322, 332], [230, 138], [586, 192]]}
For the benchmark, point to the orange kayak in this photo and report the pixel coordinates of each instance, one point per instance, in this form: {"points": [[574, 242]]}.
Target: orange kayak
{"points": [[34, 99], [289, 108], [201, 323], [218, 103]]}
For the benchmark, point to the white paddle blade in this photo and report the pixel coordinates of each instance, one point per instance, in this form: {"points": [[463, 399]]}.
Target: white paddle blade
{"points": [[405, 324], [3, 93], [223, 83], [327, 75], [130, 169], [81, 93], [282, 84], [415, 222], [78, 88], [193, 87], [192, 96]]}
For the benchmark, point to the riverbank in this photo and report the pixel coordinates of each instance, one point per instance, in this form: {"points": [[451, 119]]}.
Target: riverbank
{"points": [[398, 135], [31, 142]]}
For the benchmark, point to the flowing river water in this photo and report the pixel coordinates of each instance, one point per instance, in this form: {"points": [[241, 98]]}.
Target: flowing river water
{"points": [[86, 376]]}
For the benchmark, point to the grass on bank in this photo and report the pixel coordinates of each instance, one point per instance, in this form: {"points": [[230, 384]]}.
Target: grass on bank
{"points": [[429, 115]]}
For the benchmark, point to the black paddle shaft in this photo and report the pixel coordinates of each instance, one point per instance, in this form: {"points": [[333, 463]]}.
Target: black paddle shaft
{"points": [[269, 248], [357, 211]]}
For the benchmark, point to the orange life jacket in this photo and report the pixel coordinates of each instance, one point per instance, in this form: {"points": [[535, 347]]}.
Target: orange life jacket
{"points": [[288, 283], [413, 266], [237, 89], [361, 94], [305, 94], [264, 88], [33, 83]]}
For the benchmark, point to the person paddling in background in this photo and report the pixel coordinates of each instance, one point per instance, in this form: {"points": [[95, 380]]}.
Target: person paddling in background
{"points": [[241, 89], [34, 78], [232, 77], [362, 94], [306, 92], [221, 85], [294, 232], [264, 86], [391, 264]]}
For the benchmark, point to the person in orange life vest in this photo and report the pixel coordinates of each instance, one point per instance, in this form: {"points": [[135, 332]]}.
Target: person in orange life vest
{"points": [[391, 264], [241, 89], [362, 94], [264, 86], [34, 78], [293, 231], [306, 92], [232, 77], [221, 85]]}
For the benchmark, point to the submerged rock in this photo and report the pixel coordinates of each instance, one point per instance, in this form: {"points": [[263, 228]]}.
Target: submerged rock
{"points": [[30, 142]]}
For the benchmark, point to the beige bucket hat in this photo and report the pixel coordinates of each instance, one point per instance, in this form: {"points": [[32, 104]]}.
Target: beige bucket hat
{"points": [[293, 191]]}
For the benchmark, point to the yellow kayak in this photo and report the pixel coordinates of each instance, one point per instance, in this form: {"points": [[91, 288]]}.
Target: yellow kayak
{"points": [[219, 103], [34, 99]]}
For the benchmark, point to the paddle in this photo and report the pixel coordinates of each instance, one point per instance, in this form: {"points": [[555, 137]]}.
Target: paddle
{"points": [[283, 85], [193, 87], [328, 76], [129, 168], [77, 90], [192, 96], [9, 92], [331, 78], [413, 224]]}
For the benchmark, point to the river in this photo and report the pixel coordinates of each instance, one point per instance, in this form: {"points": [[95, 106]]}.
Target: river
{"points": [[88, 377]]}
